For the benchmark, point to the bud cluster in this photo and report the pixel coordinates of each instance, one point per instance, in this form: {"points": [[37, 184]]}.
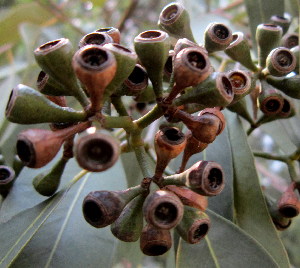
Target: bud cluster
{"points": [[183, 82]]}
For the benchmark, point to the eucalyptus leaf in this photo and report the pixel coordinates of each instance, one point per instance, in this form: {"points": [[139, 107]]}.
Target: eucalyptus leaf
{"points": [[226, 245], [251, 211], [29, 12], [54, 232], [132, 169], [260, 11]]}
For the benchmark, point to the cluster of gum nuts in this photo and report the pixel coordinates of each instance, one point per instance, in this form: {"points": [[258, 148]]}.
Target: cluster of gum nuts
{"points": [[101, 72]]}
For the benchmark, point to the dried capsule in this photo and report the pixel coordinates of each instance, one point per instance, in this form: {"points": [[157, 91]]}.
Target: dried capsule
{"points": [[113, 32], [283, 22], [194, 226], [102, 208], [37, 147], [55, 59], [270, 100], [95, 38], [209, 123], [28, 106], [217, 36], [193, 146], [47, 183], [169, 143], [215, 91], [281, 223], [191, 67], [154, 241], [7, 179], [126, 61], [268, 37], [239, 50], [289, 204], [163, 209], [204, 177], [95, 67], [280, 62], [49, 86], [176, 21], [128, 227], [290, 40], [288, 85], [135, 83], [96, 152], [152, 48]]}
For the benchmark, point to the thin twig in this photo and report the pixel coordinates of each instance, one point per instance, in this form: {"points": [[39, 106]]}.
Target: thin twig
{"points": [[127, 14]]}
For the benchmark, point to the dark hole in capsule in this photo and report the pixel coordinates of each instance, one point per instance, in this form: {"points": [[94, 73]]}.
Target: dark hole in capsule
{"points": [[137, 76], [99, 151], [221, 31], [201, 231], [215, 178], [150, 34], [4, 174], [156, 250], [49, 45], [286, 108], [166, 212], [170, 12], [94, 57], [120, 47], [173, 134], [271, 25], [284, 58], [9, 100], [96, 39], [92, 212], [273, 105], [169, 65], [238, 80], [197, 60], [24, 151], [289, 211], [227, 85]]}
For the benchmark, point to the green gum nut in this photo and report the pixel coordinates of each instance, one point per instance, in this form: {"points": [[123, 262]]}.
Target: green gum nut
{"points": [[290, 40], [175, 20], [128, 227], [217, 37], [18, 165], [95, 38], [152, 48], [240, 107], [194, 225], [7, 179], [216, 90], [55, 59], [281, 61], [270, 100], [295, 51], [288, 85], [102, 208], [241, 82], [28, 106], [126, 61], [49, 86], [268, 37], [283, 22], [239, 50], [47, 183]]}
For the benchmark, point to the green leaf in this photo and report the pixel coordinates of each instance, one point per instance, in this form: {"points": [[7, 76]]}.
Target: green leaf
{"points": [[54, 232], [251, 212], [29, 12], [226, 245], [260, 11], [132, 169]]}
